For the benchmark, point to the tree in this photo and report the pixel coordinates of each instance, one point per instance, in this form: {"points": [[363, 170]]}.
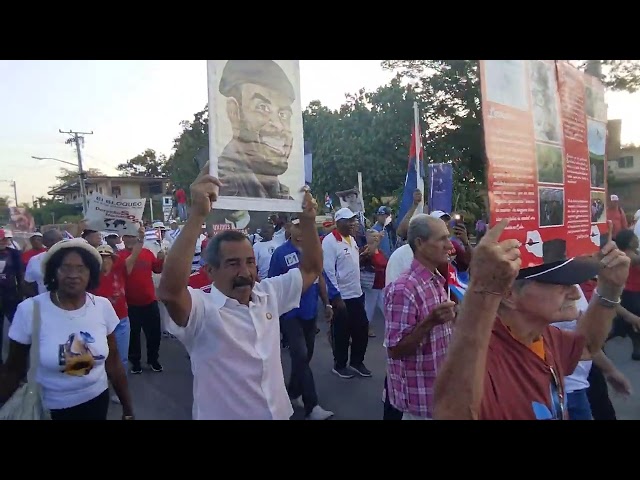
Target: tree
{"points": [[616, 75], [370, 133], [147, 164], [181, 167], [69, 175], [454, 114]]}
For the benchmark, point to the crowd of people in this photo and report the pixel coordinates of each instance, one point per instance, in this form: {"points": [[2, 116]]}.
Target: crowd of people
{"points": [[522, 343]]}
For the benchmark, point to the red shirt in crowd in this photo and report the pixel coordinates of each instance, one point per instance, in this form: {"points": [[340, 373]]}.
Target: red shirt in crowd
{"points": [[112, 287], [200, 280], [29, 254], [181, 197], [139, 288], [379, 263]]}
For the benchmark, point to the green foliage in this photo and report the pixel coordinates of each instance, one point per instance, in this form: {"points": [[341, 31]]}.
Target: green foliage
{"points": [[181, 167], [56, 212], [147, 164]]}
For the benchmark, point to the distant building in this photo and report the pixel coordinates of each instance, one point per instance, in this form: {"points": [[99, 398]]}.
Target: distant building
{"points": [[117, 187], [624, 168]]}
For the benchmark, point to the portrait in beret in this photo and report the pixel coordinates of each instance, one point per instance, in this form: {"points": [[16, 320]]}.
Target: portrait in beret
{"points": [[258, 133]]}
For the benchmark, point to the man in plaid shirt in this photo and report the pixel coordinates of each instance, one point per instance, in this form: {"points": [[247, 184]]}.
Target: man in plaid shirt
{"points": [[419, 319]]}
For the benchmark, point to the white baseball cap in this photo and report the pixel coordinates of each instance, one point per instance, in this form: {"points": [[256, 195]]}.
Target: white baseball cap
{"points": [[344, 214], [158, 224], [439, 214], [614, 198], [35, 234]]}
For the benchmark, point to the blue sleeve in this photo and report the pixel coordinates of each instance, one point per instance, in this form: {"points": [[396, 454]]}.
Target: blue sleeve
{"points": [[332, 291], [275, 266]]}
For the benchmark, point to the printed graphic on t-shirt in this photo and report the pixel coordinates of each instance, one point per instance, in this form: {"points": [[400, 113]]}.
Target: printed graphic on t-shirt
{"points": [[291, 259], [542, 412], [76, 357]]}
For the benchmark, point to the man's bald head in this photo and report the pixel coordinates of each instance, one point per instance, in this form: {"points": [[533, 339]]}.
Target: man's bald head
{"points": [[51, 237]]}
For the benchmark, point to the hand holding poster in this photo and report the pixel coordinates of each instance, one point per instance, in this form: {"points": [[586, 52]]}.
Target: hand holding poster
{"points": [[255, 134], [546, 166], [120, 215]]}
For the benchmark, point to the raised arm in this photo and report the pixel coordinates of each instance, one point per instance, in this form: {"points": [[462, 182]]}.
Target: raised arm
{"points": [[403, 227], [459, 385], [173, 290], [595, 324], [135, 252], [311, 261]]}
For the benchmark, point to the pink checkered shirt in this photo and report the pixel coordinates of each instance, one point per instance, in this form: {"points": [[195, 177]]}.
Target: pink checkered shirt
{"points": [[408, 301]]}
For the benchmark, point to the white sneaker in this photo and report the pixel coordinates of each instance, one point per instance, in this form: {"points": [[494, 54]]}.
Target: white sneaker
{"points": [[319, 413], [115, 399], [297, 402]]}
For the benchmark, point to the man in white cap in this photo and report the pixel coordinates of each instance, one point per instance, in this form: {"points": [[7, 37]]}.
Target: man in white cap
{"points": [[616, 215], [36, 247], [342, 267]]}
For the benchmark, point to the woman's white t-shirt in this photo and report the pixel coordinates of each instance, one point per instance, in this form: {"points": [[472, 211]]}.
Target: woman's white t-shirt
{"points": [[73, 348]]}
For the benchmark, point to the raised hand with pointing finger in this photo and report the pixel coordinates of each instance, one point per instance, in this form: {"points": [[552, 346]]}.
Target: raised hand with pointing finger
{"points": [[495, 264]]}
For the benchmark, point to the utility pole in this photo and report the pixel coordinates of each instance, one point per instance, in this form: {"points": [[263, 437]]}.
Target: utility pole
{"points": [[78, 139], [15, 191]]}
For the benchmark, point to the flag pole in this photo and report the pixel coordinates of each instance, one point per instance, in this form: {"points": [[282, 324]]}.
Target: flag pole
{"points": [[416, 127]]}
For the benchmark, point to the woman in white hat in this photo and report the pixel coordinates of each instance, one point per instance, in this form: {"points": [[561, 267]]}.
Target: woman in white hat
{"points": [[78, 351]]}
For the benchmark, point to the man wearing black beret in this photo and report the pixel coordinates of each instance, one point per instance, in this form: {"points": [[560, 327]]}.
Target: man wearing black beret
{"points": [[259, 97]]}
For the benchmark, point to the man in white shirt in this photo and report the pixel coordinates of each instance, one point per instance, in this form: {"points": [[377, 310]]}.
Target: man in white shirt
{"points": [[232, 334], [342, 267], [33, 275], [264, 250]]}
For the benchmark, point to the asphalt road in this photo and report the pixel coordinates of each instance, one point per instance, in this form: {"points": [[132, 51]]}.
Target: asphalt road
{"points": [[168, 395]]}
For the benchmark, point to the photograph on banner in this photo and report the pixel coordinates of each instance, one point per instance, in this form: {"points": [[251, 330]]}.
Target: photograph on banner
{"points": [[440, 187], [256, 142], [545, 156], [119, 215]]}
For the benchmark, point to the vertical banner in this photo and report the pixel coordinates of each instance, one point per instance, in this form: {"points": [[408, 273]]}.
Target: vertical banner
{"points": [[255, 134], [545, 172], [440, 187]]}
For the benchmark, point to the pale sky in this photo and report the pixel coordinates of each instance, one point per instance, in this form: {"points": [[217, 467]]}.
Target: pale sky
{"points": [[132, 105]]}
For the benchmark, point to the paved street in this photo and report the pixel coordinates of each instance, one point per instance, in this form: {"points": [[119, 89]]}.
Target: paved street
{"points": [[168, 395]]}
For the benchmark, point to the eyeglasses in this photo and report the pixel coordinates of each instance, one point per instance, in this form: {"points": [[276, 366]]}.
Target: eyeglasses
{"points": [[71, 269]]}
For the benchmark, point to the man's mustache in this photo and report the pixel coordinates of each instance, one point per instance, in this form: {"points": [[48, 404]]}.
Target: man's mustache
{"points": [[242, 282]]}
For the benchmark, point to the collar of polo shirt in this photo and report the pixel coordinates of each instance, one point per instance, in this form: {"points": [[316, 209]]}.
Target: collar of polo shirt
{"points": [[219, 298]]}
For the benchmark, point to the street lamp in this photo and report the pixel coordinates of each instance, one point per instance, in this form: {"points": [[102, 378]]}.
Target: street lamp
{"points": [[56, 160], [83, 190]]}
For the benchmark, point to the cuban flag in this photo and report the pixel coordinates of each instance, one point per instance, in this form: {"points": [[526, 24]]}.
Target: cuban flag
{"points": [[412, 181], [458, 282]]}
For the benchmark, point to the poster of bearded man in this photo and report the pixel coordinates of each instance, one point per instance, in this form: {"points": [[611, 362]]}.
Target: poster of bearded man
{"points": [[256, 145]]}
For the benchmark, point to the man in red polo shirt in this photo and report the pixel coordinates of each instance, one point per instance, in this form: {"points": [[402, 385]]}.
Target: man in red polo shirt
{"points": [[144, 314]]}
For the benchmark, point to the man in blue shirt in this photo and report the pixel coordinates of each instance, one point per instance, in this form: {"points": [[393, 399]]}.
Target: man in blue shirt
{"points": [[299, 327], [384, 225]]}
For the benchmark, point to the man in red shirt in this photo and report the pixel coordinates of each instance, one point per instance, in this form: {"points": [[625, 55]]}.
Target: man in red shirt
{"points": [[181, 201], [36, 247], [144, 314], [506, 361]]}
